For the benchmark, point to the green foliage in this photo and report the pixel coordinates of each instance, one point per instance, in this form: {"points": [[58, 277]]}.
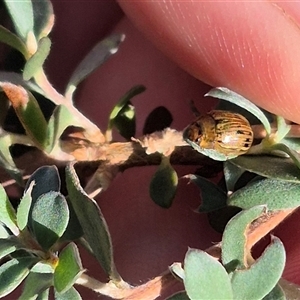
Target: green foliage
{"points": [[93, 223], [36, 61], [69, 268], [212, 196], [205, 278], [259, 280], [163, 185], [22, 16], [234, 239], [39, 236], [96, 57], [276, 194], [122, 115]]}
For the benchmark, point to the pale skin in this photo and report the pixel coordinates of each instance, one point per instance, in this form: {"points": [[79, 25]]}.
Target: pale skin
{"points": [[252, 48]]}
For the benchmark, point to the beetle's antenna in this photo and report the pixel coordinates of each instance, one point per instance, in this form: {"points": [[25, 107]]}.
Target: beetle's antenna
{"points": [[194, 108]]}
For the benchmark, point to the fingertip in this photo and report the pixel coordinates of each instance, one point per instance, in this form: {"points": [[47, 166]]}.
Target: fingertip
{"points": [[251, 48]]}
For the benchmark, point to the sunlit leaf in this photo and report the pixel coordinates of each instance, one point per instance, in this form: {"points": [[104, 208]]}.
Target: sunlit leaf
{"points": [[122, 104], [9, 245], [24, 207], [260, 278], [205, 277], [234, 237], [69, 268], [12, 273], [22, 16], [35, 284], [50, 217], [228, 95], [70, 294], [294, 155], [36, 61], [28, 112], [125, 121], [7, 212], [177, 270], [268, 166], [59, 121], [275, 194]]}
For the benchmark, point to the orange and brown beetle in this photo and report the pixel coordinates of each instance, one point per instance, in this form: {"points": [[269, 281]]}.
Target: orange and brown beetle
{"points": [[220, 134]]}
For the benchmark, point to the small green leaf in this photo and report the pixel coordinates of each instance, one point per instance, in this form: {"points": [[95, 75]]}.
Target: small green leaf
{"points": [[7, 212], [50, 217], [69, 268], [12, 40], [292, 143], [282, 128], [259, 280], [232, 173], [159, 119], [228, 95], [42, 267], [9, 245], [95, 58], [294, 155], [276, 294], [122, 106], [234, 238], [24, 207], [17, 79], [59, 121], [43, 18], [6, 160], [70, 294], [268, 166], [3, 231], [92, 222], [177, 270], [12, 273], [212, 196], [35, 284], [275, 194], [163, 185], [43, 174], [22, 16], [205, 277], [125, 121], [28, 111], [36, 61]]}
